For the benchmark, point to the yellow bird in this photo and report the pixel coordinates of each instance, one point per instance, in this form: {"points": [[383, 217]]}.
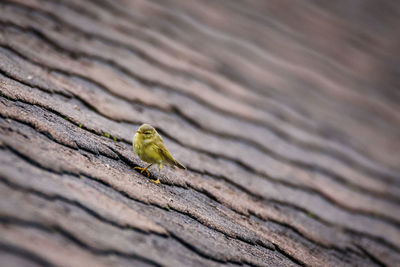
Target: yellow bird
{"points": [[150, 147]]}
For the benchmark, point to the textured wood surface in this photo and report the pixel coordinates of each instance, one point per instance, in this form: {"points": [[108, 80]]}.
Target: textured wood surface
{"points": [[286, 114]]}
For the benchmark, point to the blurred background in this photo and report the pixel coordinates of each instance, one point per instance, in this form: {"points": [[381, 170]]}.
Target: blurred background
{"points": [[334, 64]]}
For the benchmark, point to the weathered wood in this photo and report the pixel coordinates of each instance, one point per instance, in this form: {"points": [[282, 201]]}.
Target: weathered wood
{"points": [[285, 141]]}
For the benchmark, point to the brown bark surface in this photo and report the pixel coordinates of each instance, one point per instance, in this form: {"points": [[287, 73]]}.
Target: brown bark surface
{"points": [[286, 114]]}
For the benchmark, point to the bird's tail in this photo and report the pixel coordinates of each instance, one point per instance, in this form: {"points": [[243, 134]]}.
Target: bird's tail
{"points": [[180, 165]]}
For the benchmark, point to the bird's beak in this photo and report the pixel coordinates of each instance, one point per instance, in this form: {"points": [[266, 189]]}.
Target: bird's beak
{"points": [[137, 132]]}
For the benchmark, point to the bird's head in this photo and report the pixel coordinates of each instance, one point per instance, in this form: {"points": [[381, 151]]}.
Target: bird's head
{"points": [[146, 131]]}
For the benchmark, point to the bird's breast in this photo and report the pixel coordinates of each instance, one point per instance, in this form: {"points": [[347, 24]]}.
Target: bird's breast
{"points": [[137, 144]]}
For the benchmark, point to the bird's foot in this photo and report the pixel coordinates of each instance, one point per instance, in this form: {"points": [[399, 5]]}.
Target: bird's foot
{"points": [[143, 170], [156, 181]]}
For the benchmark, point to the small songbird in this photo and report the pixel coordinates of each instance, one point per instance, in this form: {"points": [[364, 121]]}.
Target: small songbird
{"points": [[150, 147]]}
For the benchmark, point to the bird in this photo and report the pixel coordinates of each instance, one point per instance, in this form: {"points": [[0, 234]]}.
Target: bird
{"points": [[150, 147]]}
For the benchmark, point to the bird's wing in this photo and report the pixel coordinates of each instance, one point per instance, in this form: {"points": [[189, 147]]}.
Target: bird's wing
{"points": [[164, 151]]}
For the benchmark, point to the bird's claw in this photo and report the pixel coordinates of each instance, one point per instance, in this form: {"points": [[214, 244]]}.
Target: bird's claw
{"points": [[156, 181], [143, 170]]}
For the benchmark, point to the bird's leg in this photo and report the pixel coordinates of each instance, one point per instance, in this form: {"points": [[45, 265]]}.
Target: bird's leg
{"points": [[144, 169], [158, 179]]}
